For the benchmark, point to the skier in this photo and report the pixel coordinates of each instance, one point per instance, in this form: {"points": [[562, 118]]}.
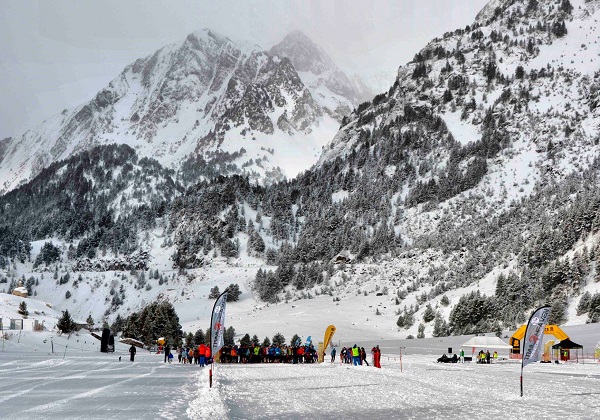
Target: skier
{"points": [[333, 355], [132, 351]]}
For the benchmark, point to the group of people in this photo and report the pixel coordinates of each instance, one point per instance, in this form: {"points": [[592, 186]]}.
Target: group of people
{"points": [[482, 357], [486, 357], [195, 355], [201, 355], [268, 354], [357, 356]]}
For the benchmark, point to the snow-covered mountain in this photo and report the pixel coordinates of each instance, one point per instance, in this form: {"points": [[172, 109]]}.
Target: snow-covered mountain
{"points": [[219, 105], [335, 92]]}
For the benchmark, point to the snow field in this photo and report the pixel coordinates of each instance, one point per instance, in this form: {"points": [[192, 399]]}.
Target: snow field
{"points": [[83, 383]]}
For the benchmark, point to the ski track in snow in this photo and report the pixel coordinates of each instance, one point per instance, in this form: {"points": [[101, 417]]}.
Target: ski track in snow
{"points": [[53, 405]]}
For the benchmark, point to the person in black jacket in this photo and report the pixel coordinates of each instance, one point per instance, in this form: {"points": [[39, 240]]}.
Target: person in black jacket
{"points": [[132, 351], [167, 351]]}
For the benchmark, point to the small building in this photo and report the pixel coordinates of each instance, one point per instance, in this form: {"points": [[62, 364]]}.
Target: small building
{"points": [[20, 291], [5, 323], [30, 324], [20, 324], [80, 323], [343, 257]]}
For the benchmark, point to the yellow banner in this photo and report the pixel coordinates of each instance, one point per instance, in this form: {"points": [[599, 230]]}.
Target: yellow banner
{"points": [[328, 335]]}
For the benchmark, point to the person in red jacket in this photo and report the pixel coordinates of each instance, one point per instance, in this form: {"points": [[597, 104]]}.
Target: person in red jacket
{"points": [[207, 356], [202, 354], [376, 356]]}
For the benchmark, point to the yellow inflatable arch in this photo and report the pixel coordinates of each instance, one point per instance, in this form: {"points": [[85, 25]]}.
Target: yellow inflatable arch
{"points": [[515, 340]]}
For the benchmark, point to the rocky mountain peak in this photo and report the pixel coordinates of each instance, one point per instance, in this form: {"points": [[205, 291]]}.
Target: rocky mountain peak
{"points": [[305, 55], [228, 107], [491, 9]]}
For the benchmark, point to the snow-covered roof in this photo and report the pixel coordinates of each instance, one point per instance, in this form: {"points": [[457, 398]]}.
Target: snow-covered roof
{"points": [[20, 290], [487, 343]]}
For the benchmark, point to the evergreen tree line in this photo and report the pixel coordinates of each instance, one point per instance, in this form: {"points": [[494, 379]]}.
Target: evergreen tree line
{"points": [[74, 199], [233, 292]]}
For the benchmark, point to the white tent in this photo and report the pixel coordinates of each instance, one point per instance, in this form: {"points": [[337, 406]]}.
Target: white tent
{"points": [[483, 342]]}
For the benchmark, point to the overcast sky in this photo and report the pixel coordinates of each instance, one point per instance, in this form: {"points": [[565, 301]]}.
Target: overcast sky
{"points": [[58, 54]]}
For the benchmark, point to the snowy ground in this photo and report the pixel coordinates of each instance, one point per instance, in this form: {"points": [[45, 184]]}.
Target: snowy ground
{"points": [[79, 382]]}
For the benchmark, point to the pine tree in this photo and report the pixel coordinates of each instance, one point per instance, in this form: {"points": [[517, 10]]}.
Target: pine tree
{"points": [[266, 342], [199, 337], [66, 323], [421, 331], [118, 325], [189, 340], [245, 340], [440, 327], [214, 293], [278, 339], [594, 308], [23, 309], [447, 97], [428, 314], [90, 321], [229, 336], [558, 311], [233, 292]]}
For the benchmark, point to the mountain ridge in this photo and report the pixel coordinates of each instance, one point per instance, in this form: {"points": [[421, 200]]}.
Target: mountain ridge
{"points": [[206, 98]]}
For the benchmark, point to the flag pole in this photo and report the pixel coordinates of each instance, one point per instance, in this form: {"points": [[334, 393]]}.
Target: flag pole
{"points": [[212, 335], [533, 337], [521, 377]]}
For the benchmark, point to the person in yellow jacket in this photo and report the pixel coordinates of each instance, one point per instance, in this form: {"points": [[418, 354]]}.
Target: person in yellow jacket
{"points": [[355, 355]]}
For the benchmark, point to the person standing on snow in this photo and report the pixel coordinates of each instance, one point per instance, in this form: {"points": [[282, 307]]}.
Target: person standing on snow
{"points": [[202, 354], [333, 355], [167, 351], [462, 356], [355, 355], [377, 357], [132, 351], [207, 355], [363, 356]]}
